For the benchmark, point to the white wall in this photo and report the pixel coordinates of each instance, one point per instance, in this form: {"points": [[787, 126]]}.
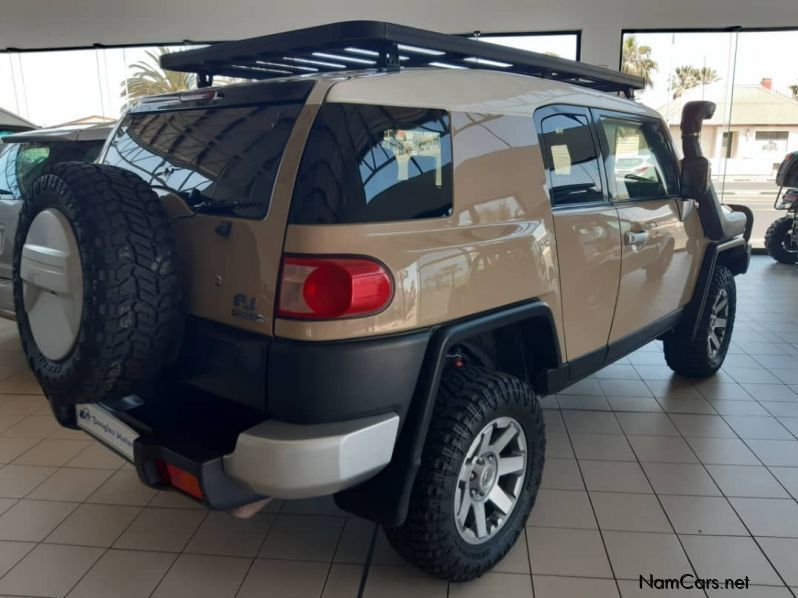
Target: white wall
{"points": [[60, 23]]}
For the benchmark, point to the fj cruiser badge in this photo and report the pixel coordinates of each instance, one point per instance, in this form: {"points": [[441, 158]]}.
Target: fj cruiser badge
{"points": [[246, 308]]}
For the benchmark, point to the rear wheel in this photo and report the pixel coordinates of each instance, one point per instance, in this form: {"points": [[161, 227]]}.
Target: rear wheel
{"points": [[96, 291], [781, 242], [702, 356], [479, 475]]}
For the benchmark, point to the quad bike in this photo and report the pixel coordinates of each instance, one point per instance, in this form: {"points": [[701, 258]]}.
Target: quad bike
{"points": [[781, 238]]}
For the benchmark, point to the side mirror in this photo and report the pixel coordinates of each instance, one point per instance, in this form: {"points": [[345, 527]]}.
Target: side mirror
{"points": [[787, 175], [695, 177]]}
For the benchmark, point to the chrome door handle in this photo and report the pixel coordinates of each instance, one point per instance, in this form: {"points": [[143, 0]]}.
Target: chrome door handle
{"points": [[636, 238]]}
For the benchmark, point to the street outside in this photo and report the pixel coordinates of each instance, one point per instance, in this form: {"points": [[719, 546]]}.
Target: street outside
{"points": [[758, 195]]}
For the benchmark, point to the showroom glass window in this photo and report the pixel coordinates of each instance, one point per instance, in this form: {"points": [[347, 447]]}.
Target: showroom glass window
{"points": [[571, 159], [208, 155], [639, 160], [756, 120], [367, 163]]}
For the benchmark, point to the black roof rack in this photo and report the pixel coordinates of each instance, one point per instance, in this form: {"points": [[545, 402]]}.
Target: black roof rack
{"points": [[374, 44]]}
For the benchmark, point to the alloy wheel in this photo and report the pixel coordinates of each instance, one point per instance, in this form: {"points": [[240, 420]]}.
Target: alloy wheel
{"points": [[718, 321], [490, 481]]}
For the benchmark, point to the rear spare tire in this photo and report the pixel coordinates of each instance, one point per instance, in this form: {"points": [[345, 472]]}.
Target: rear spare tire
{"points": [[96, 291]]}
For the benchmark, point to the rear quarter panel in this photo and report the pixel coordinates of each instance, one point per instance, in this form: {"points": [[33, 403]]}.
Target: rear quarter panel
{"points": [[497, 248]]}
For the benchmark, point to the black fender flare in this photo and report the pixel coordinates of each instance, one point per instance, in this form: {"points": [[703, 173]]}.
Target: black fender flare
{"points": [[385, 498], [735, 255]]}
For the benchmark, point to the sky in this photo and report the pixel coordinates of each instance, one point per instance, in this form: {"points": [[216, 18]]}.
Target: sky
{"points": [[49, 88]]}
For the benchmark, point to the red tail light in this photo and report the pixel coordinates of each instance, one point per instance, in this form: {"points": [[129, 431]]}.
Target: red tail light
{"points": [[179, 478], [321, 288]]}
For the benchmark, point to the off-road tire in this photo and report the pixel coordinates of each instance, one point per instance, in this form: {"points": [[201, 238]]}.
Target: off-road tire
{"points": [[131, 292], [691, 357], [774, 240], [468, 399]]}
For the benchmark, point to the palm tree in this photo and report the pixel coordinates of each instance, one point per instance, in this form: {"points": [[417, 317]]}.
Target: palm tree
{"points": [[149, 79], [686, 77], [636, 60]]}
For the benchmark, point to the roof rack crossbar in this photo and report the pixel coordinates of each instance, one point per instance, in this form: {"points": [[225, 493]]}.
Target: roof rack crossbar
{"points": [[352, 45]]}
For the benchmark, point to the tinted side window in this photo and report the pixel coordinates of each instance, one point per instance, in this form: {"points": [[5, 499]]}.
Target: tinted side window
{"points": [[640, 164], [366, 163], [571, 159], [9, 185]]}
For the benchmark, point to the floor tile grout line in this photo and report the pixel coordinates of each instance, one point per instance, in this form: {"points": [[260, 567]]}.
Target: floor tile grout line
{"points": [[332, 556], [592, 508], [659, 500], [105, 549], [210, 554], [38, 542], [258, 549], [18, 561], [528, 559], [367, 565], [731, 506], [180, 552], [175, 556]]}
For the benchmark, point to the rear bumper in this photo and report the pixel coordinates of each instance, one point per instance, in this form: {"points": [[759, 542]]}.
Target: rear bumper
{"points": [[273, 458], [286, 460], [329, 420]]}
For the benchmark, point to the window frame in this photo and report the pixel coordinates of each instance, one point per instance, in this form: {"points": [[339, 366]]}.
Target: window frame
{"points": [[640, 119], [552, 110]]}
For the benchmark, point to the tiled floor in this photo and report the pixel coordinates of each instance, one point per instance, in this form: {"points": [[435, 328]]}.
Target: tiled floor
{"points": [[646, 473]]}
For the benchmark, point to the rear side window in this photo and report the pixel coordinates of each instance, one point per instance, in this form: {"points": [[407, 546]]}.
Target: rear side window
{"points": [[640, 162], [366, 163], [223, 155], [571, 158]]}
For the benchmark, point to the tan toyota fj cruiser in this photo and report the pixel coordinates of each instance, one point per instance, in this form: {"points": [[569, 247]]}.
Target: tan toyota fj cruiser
{"points": [[357, 276]]}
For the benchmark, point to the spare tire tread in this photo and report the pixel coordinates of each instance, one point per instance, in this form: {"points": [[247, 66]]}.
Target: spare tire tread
{"points": [[132, 299]]}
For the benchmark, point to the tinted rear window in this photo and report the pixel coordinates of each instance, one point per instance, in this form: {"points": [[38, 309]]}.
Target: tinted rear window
{"points": [[366, 163], [208, 155]]}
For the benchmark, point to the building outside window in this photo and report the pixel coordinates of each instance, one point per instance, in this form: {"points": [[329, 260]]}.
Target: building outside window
{"points": [[756, 118]]}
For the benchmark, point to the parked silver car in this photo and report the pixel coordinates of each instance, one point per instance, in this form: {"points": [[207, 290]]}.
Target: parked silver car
{"points": [[23, 156]]}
